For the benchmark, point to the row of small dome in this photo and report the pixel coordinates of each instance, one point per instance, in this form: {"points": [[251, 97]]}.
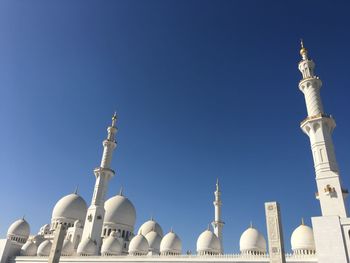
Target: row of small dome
{"points": [[150, 239]]}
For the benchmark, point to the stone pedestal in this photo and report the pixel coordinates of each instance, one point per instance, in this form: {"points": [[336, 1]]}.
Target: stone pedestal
{"points": [[274, 232], [329, 240]]}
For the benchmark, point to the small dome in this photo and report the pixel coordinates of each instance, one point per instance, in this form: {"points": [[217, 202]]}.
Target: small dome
{"points": [[44, 248], [78, 224], [38, 239], [153, 239], [111, 245], [119, 210], [208, 242], [87, 247], [149, 226], [170, 244], [303, 239], [252, 242], [20, 228], [138, 245], [45, 229], [29, 249], [71, 207], [67, 248]]}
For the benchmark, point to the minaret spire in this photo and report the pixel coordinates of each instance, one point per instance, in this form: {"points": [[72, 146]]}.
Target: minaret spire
{"points": [[217, 223], [103, 173], [303, 50], [319, 127]]}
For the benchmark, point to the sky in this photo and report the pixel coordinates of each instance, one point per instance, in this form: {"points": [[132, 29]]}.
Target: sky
{"points": [[203, 90]]}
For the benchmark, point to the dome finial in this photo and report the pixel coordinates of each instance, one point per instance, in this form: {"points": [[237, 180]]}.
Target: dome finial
{"points": [[302, 221], [217, 184], [76, 190], [152, 217], [303, 50], [114, 119], [251, 224], [23, 217], [121, 191], [171, 230]]}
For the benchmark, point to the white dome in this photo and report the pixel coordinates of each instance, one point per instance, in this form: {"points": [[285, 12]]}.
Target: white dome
{"points": [[67, 248], [149, 226], [119, 210], [170, 244], [71, 207], [252, 241], [138, 245], [44, 248], [208, 242], [87, 247], [77, 224], [45, 229], [153, 239], [303, 238], [111, 245], [29, 249], [20, 228]]}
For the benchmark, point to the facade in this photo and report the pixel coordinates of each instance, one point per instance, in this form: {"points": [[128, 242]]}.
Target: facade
{"points": [[104, 231]]}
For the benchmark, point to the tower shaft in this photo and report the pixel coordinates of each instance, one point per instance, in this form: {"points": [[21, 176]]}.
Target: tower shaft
{"points": [[319, 127], [95, 214], [217, 223]]}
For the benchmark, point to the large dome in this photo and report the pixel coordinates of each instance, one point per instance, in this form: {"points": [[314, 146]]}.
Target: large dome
{"points": [[303, 239], [19, 230], [71, 207], [44, 248], [252, 242], [149, 226], [171, 244], [208, 242], [29, 249], [119, 210], [111, 246], [138, 245]]}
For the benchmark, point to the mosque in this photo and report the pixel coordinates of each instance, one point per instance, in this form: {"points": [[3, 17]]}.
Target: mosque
{"points": [[104, 231]]}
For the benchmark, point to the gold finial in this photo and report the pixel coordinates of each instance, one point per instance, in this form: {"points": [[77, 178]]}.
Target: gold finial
{"points": [[303, 50], [217, 184], [302, 221]]}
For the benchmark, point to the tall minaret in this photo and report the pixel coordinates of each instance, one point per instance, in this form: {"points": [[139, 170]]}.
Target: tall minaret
{"points": [[96, 211], [217, 223], [319, 127]]}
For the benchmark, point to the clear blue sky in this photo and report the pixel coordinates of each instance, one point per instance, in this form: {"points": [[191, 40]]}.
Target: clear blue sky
{"points": [[203, 89]]}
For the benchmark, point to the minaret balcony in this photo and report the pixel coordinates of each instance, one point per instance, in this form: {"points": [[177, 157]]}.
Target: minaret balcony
{"points": [[105, 171], [306, 124]]}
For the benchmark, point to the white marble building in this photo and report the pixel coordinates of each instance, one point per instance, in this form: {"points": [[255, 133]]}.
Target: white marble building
{"points": [[104, 230]]}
